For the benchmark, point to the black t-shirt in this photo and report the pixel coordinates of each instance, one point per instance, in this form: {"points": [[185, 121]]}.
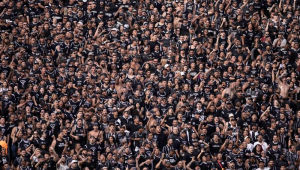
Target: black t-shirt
{"points": [[205, 166], [220, 164], [79, 81], [5, 70], [257, 6], [249, 36], [75, 105], [23, 83], [161, 139], [170, 119], [51, 164], [54, 127], [211, 127], [239, 166], [90, 165], [266, 8], [94, 147], [184, 29], [215, 147], [141, 136], [188, 157], [132, 128], [243, 123]]}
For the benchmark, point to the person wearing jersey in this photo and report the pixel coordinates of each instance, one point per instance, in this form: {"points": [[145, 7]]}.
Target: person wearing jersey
{"points": [[24, 143], [15, 136], [54, 125], [94, 147], [78, 133], [59, 144], [17, 160]]}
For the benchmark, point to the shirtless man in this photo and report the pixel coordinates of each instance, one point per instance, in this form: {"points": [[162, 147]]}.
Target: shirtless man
{"points": [[230, 90], [283, 85], [96, 133], [135, 65], [120, 82]]}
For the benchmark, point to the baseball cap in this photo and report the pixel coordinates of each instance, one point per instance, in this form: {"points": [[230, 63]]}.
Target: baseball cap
{"points": [[73, 161]]}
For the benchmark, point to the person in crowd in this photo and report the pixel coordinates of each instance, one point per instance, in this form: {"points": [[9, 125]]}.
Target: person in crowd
{"points": [[150, 85]]}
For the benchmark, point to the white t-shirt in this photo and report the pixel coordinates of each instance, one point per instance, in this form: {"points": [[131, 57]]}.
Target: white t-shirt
{"points": [[264, 145], [250, 146], [265, 168], [62, 167]]}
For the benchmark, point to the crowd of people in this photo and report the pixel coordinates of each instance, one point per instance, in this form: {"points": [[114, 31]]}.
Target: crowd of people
{"points": [[150, 85]]}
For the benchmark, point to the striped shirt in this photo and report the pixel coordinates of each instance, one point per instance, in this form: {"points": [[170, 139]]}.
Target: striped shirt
{"points": [[282, 139], [166, 149], [292, 157]]}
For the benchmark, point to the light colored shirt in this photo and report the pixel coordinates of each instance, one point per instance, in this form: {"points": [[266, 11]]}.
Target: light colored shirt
{"points": [[263, 144], [282, 44], [250, 146], [62, 167]]}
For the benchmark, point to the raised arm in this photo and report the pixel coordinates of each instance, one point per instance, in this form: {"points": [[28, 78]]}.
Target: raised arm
{"points": [[223, 147], [277, 78]]}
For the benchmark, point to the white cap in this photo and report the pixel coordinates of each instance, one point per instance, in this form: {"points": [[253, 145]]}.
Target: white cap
{"points": [[74, 161], [167, 65], [114, 29], [231, 115]]}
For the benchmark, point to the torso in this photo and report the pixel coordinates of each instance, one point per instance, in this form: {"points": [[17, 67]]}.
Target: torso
{"points": [[284, 90]]}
